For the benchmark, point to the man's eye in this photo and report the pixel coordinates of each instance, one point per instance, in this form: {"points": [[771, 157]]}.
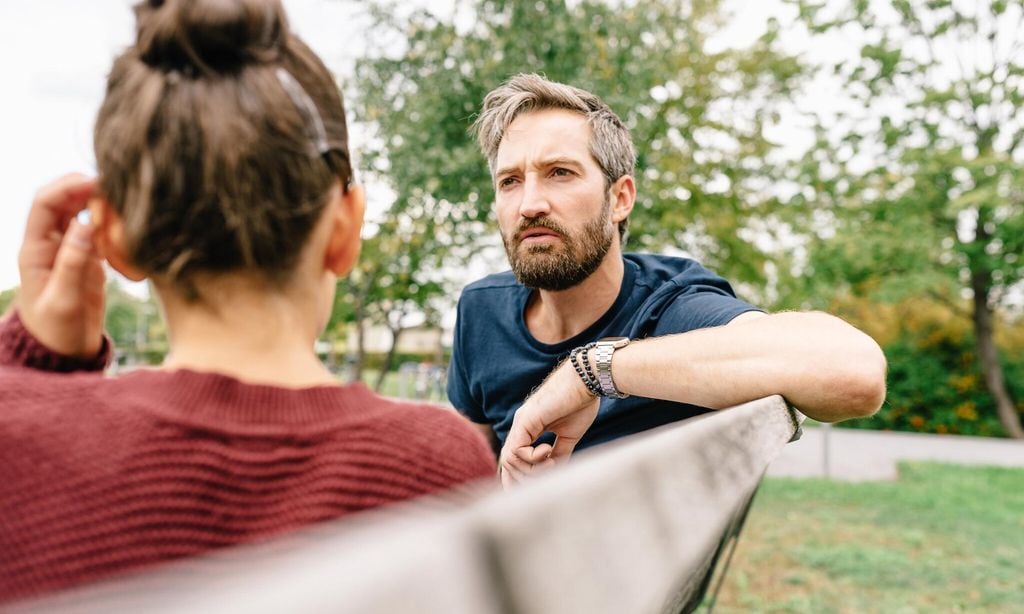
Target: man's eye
{"points": [[561, 172], [507, 181]]}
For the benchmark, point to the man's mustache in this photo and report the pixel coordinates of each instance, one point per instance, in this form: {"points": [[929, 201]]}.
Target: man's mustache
{"points": [[538, 222]]}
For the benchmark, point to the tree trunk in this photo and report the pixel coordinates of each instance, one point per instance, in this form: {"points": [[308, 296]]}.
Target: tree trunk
{"points": [[988, 355], [360, 318], [389, 359], [357, 368]]}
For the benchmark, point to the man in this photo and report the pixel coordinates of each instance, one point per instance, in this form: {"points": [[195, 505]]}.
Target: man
{"points": [[529, 358]]}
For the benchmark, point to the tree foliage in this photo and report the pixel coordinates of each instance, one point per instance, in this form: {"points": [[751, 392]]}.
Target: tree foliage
{"points": [[935, 382], [134, 324], [399, 275], [7, 299], [919, 185], [131, 322], [697, 115]]}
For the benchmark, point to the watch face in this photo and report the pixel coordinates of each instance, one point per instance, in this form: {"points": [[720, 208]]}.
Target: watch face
{"points": [[617, 342]]}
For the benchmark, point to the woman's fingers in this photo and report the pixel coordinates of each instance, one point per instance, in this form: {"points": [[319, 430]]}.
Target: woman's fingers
{"points": [[71, 269], [61, 297], [56, 203]]}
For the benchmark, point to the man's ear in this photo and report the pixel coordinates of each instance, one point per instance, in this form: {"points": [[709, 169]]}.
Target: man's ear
{"points": [[346, 209], [108, 230], [623, 196]]}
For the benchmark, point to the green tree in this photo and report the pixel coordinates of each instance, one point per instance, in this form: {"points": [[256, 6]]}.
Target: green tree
{"points": [[131, 322], [698, 115], [921, 180], [398, 275], [7, 299], [134, 324], [935, 381]]}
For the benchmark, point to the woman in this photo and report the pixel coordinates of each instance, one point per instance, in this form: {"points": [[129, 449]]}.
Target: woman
{"points": [[225, 179]]}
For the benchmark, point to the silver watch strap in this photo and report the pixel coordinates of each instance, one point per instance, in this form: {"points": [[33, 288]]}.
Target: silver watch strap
{"points": [[603, 354]]}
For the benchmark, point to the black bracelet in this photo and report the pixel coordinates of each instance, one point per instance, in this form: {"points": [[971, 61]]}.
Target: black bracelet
{"points": [[592, 385], [585, 359]]}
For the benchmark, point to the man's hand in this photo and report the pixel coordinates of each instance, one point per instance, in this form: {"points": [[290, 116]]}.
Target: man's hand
{"points": [[561, 405], [61, 296]]}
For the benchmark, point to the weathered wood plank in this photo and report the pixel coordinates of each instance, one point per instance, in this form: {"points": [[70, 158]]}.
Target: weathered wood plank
{"points": [[628, 526]]}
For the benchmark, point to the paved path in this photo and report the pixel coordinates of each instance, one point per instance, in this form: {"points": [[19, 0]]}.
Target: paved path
{"points": [[872, 455]]}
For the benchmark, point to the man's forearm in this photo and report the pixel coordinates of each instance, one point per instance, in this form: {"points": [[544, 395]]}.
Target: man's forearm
{"points": [[823, 366]]}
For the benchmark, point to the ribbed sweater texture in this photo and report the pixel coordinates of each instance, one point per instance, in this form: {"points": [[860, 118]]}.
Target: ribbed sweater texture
{"points": [[100, 475]]}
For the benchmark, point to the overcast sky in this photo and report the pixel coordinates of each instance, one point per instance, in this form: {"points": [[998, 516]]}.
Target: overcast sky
{"points": [[55, 57]]}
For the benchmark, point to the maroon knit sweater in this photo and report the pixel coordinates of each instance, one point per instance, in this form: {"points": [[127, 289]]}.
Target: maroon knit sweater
{"points": [[100, 475]]}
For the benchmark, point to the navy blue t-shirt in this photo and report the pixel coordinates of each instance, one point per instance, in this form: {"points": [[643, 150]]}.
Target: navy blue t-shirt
{"points": [[496, 362]]}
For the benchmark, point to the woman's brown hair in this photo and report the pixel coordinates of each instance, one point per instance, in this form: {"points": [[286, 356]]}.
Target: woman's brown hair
{"points": [[218, 140]]}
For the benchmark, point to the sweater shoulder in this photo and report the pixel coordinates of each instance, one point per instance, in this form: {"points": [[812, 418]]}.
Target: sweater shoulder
{"points": [[440, 438], [60, 424], [39, 397]]}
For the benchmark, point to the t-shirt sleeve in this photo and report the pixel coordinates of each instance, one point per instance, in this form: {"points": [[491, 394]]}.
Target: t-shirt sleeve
{"points": [[459, 394], [704, 300]]}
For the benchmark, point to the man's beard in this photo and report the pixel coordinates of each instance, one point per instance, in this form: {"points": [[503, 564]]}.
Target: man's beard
{"points": [[559, 266]]}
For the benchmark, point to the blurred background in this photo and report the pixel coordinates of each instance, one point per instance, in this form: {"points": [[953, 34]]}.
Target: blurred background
{"points": [[861, 157]]}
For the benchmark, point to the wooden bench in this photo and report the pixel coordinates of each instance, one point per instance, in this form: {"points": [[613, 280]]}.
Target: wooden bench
{"points": [[633, 526]]}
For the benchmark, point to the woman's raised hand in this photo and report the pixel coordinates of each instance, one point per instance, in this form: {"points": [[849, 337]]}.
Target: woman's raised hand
{"points": [[61, 296]]}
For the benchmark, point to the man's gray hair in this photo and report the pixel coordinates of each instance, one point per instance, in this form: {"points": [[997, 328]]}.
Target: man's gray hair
{"points": [[610, 143]]}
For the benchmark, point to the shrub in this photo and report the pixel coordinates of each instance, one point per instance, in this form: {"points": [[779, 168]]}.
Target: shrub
{"points": [[936, 384]]}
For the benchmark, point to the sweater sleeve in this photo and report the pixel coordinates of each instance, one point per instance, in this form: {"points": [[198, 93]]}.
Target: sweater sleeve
{"points": [[18, 348]]}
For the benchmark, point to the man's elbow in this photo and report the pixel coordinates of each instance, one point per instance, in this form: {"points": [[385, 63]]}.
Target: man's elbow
{"points": [[864, 385]]}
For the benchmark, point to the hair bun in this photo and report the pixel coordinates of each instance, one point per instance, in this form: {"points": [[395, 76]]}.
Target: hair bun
{"points": [[209, 36]]}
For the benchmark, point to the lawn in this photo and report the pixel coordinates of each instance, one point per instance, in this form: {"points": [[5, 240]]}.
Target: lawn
{"points": [[943, 538]]}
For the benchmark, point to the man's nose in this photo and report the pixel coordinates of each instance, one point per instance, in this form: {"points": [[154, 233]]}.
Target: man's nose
{"points": [[535, 200]]}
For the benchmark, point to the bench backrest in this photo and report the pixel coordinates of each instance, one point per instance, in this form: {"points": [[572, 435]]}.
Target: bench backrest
{"points": [[633, 526]]}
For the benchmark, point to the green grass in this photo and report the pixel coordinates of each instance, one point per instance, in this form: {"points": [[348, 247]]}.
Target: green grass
{"points": [[943, 538]]}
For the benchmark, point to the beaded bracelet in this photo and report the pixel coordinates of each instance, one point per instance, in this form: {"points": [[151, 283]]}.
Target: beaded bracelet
{"points": [[593, 386], [591, 376]]}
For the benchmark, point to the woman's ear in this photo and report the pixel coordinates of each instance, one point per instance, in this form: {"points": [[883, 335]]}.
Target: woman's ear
{"points": [[108, 231], [346, 210]]}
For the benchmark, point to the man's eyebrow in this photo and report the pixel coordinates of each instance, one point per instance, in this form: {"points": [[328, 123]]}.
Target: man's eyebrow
{"points": [[560, 161], [545, 163], [506, 170]]}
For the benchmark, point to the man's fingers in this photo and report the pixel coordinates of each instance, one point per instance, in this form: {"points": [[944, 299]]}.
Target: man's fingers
{"points": [[518, 464], [541, 452], [56, 201], [523, 432], [517, 437], [521, 463], [511, 471], [563, 447], [534, 455]]}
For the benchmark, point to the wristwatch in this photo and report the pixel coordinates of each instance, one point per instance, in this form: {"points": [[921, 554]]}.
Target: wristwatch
{"points": [[603, 351]]}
